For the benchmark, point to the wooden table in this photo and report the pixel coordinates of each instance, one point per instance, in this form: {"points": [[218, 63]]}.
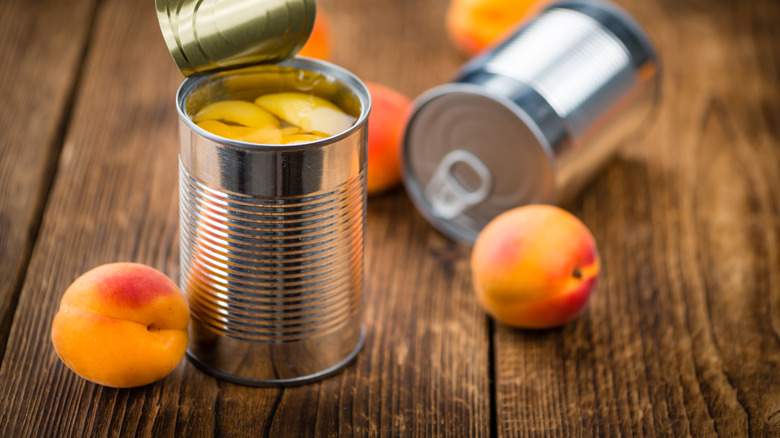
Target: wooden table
{"points": [[682, 337]]}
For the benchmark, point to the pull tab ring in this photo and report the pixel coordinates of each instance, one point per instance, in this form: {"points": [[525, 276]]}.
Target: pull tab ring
{"points": [[447, 195]]}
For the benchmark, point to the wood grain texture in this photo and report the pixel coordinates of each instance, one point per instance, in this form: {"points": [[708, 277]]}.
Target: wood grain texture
{"points": [[399, 43], [681, 337], [41, 47], [113, 199], [423, 370]]}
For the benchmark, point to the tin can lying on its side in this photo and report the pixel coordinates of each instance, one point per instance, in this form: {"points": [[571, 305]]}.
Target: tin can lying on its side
{"points": [[532, 120]]}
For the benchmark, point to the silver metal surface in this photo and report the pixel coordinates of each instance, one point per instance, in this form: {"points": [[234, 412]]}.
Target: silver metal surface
{"points": [[272, 235], [210, 35], [532, 120]]}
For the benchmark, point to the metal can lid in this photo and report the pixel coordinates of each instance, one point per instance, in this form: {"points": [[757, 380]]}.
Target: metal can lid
{"points": [[470, 155], [212, 35]]}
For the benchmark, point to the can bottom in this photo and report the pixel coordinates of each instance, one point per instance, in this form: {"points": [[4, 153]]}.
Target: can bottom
{"points": [[247, 381]]}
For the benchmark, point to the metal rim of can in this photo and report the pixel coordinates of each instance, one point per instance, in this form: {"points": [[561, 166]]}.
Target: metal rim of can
{"points": [[332, 71], [205, 367]]}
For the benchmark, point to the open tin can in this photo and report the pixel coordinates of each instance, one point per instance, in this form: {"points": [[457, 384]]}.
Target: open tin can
{"points": [[271, 235], [532, 120]]}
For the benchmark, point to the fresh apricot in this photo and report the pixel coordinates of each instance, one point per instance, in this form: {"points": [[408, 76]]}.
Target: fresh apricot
{"points": [[535, 266], [474, 25], [385, 126], [121, 325], [318, 44]]}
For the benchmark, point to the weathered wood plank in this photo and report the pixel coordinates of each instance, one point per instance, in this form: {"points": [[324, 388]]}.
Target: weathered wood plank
{"points": [[113, 199], [681, 337], [41, 46]]}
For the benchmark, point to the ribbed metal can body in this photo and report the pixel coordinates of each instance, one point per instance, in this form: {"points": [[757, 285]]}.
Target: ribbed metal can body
{"points": [[272, 238], [533, 119]]}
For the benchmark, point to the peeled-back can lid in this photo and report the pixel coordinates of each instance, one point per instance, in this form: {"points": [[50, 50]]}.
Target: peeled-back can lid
{"points": [[210, 35]]}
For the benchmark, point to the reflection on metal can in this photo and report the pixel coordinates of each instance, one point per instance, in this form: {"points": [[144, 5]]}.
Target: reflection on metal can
{"points": [[532, 120]]}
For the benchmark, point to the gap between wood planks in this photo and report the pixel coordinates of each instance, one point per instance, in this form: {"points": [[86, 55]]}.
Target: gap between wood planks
{"points": [[492, 382]]}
